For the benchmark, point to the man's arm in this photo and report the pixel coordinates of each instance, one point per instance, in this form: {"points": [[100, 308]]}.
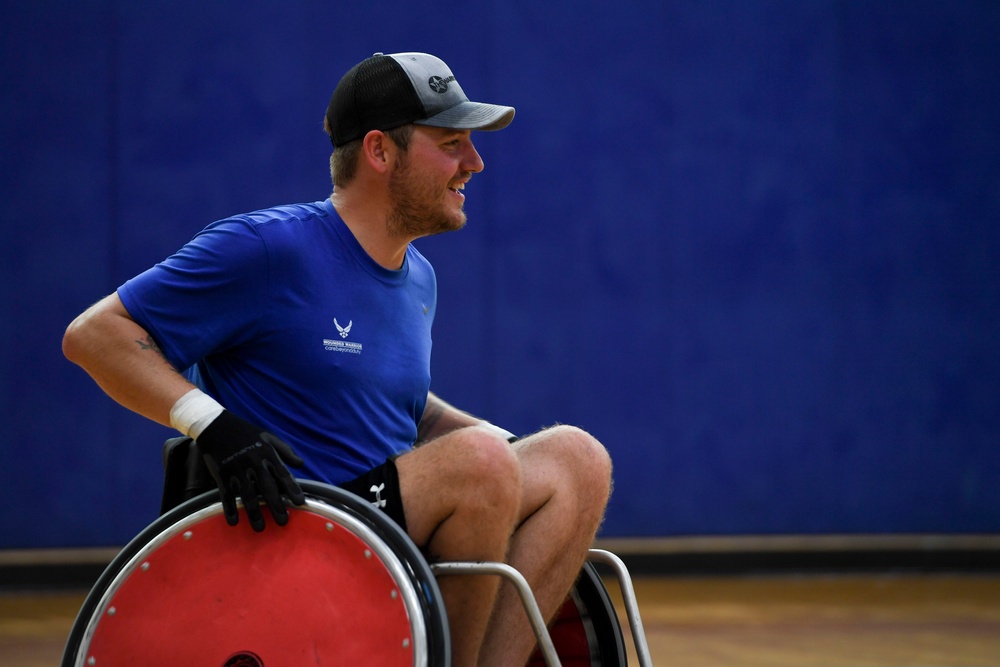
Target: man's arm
{"points": [[124, 360], [440, 417], [129, 366]]}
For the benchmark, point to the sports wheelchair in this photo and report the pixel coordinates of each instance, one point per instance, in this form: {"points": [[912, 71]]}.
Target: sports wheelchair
{"points": [[344, 585]]}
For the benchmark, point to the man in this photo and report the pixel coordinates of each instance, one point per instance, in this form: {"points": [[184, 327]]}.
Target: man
{"points": [[307, 328]]}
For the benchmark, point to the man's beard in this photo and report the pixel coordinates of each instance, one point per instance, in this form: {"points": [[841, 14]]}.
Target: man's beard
{"points": [[417, 207]]}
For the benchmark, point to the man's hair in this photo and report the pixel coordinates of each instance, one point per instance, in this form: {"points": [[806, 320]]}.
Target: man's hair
{"points": [[344, 160]]}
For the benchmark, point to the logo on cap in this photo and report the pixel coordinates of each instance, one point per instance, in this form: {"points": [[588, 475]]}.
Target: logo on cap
{"points": [[439, 85]]}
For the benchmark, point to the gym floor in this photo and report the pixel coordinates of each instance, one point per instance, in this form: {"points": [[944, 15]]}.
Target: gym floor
{"points": [[886, 619]]}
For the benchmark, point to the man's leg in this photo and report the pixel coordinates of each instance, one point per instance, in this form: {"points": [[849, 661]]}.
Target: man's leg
{"points": [[461, 497], [566, 482]]}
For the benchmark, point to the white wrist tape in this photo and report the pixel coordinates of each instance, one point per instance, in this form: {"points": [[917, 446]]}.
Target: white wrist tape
{"points": [[193, 412]]}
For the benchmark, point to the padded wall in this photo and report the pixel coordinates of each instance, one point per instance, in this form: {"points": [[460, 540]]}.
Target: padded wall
{"points": [[751, 246]]}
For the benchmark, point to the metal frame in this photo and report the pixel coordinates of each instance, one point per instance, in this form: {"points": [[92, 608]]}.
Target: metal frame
{"points": [[545, 644], [631, 603]]}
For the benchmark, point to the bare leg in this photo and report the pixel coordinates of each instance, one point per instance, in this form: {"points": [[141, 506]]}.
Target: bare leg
{"points": [[461, 496], [566, 482]]}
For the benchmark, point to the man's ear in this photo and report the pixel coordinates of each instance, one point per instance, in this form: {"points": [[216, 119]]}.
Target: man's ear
{"points": [[378, 151]]}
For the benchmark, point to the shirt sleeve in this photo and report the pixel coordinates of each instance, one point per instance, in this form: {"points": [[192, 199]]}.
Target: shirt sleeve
{"points": [[208, 297]]}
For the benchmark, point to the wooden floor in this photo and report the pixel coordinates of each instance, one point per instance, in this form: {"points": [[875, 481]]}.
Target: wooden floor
{"points": [[878, 620], [931, 621]]}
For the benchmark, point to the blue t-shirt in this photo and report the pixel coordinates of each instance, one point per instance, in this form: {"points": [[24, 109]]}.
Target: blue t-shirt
{"points": [[283, 318]]}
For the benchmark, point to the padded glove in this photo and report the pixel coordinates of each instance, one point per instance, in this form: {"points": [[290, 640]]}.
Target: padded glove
{"points": [[248, 462]]}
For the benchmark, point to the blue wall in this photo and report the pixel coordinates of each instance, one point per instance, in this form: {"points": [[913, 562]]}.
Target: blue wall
{"points": [[752, 246]]}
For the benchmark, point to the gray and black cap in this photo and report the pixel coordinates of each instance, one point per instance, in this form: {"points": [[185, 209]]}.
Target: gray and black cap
{"points": [[386, 91]]}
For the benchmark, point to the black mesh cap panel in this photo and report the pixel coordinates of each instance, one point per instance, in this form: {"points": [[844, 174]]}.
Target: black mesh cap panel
{"points": [[375, 94]]}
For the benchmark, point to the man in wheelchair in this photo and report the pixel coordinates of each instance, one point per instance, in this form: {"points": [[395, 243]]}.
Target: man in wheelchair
{"points": [[300, 336]]}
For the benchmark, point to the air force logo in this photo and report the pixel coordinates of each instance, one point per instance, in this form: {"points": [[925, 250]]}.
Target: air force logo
{"points": [[344, 331], [342, 345]]}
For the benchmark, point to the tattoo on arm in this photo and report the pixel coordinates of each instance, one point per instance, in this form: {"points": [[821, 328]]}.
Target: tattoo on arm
{"points": [[150, 344]]}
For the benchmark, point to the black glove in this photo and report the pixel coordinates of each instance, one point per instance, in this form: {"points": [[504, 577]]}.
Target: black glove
{"points": [[247, 461]]}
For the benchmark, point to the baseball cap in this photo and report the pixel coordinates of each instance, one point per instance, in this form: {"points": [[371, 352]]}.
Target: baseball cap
{"points": [[386, 91]]}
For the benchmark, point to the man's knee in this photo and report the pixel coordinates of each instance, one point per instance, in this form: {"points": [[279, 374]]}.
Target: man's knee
{"points": [[490, 471], [468, 478], [585, 460], [580, 447], [475, 470]]}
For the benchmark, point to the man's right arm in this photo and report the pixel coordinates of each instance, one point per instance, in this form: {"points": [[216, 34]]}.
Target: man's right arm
{"points": [[124, 360], [129, 366]]}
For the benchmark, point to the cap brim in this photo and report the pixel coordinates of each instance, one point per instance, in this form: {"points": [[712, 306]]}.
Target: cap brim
{"points": [[471, 116]]}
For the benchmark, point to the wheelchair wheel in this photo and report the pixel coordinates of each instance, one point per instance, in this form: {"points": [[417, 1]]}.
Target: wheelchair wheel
{"points": [[586, 631], [340, 584]]}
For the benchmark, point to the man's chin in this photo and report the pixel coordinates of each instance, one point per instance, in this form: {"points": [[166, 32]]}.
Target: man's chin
{"points": [[450, 226]]}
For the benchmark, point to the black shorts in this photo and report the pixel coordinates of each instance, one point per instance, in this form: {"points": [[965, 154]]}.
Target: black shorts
{"points": [[380, 487]]}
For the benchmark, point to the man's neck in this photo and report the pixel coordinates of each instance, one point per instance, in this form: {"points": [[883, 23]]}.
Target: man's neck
{"points": [[368, 225]]}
